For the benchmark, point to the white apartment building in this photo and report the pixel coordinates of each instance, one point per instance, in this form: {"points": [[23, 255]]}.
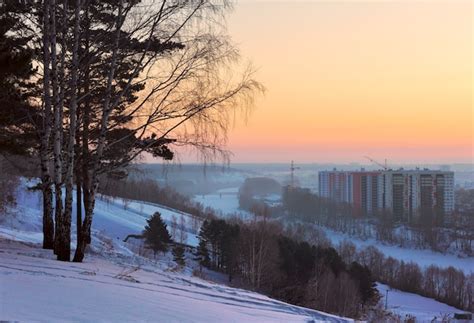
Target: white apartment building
{"points": [[404, 192]]}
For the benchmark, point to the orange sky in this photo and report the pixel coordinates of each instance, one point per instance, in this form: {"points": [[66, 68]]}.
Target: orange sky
{"points": [[344, 79]]}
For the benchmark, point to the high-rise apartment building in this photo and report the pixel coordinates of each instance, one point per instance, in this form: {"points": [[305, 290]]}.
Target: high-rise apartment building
{"points": [[405, 193]]}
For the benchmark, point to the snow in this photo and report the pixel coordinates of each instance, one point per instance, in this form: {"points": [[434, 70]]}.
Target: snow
{"points": [[35, 288], [225, 202], [232, 190], [422, 257], [422, 308], [115, 283], [110, 217], [118, 222]]}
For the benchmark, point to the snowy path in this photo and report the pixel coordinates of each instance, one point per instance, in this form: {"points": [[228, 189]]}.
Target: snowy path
{"points": [[35, 287]]}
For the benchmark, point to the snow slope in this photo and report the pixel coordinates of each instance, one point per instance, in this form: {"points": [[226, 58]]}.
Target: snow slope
{"points": [[422, 257], [117, 222], [110, 217], [114, 284], [423, 308], [34, 287]]}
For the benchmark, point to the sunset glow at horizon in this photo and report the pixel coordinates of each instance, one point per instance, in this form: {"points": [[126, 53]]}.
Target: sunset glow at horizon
{"points": [[347, 79]]}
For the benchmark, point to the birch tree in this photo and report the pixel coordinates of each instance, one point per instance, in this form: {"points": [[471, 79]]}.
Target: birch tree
{"points": [[121, 78], [176, 62], [48, 223], [65, 243]]}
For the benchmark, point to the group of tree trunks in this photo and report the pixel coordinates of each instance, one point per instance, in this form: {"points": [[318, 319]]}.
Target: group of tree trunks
{"points": [[87, 86]]}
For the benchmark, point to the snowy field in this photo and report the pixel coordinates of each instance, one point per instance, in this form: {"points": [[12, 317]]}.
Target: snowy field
{"points": [[114, 284], [423, 308]]}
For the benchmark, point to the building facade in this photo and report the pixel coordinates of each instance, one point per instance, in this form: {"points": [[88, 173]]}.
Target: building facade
{"points": [[405, 193]]}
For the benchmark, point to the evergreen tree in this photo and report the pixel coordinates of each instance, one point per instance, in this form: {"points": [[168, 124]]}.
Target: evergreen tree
{"points": [[367, 287], [229, 238], [156, 234], [16, 69], [222, 239], [178, 255], [202, 254], [204, 232]]}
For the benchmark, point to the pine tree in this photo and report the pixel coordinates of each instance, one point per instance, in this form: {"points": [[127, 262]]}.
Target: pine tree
{"points": [[17, 135], [178, 255], [202, 255], [156, 234]]}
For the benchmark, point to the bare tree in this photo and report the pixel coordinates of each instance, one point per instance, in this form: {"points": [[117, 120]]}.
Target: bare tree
{"points": [[187, 98], [120, 78], [174, 227], [182, 234]]}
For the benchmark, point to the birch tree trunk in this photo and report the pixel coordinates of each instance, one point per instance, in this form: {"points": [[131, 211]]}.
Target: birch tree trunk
{"points": [[70, 158], [48, 223], [57, 129], [83, 117], [93, 180], [78, 174]]}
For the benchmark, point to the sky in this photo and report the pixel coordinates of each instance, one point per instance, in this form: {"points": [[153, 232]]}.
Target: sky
{"points": [[345, 79]]}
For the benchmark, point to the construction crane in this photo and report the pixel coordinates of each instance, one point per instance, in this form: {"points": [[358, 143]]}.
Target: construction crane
{"points": [[292, 169], [384, 166]]}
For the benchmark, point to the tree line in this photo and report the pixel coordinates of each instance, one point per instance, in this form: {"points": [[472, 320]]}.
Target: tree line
{"points": [[447, 285], [260, 256], [424, 232], [88, 86], [148, 190]]}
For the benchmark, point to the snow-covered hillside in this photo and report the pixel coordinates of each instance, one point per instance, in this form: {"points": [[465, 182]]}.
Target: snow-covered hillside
{"points": [[114, 283], [423, 257], [422, 308], [112, 217], [33, 287]]}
